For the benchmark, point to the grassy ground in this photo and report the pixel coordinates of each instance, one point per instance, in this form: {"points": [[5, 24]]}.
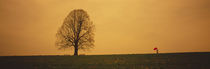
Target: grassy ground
{"points": [[134, 61]]}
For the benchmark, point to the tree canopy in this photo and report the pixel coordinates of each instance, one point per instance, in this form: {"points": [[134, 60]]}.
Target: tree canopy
{"points": [[76, 31]]}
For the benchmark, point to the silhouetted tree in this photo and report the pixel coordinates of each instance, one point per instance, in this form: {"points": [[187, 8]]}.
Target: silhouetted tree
{"points": [[77, 31]]}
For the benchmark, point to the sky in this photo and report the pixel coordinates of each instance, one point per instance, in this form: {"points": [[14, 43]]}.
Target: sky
{"points": [[28, 27]]}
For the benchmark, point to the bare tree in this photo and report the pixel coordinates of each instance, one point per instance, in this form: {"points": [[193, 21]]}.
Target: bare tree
{"points": [[77, 31]]}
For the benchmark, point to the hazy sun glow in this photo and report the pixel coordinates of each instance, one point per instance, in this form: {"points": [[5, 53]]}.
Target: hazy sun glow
{"points": [[28, 27]]}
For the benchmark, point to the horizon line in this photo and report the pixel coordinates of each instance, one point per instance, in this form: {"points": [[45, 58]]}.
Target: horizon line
{"points": [[109, 54]]}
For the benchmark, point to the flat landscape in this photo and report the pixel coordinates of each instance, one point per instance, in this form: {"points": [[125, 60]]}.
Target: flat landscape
{"points": [[199, 60]]}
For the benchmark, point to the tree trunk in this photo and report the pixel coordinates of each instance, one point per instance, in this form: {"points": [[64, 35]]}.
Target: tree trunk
{"points": [[75, 50]]}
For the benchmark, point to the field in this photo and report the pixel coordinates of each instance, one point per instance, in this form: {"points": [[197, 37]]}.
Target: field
{"points": [[127, 61]]}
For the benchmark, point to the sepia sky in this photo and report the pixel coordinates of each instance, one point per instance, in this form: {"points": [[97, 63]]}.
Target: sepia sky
{"points": [[28, 27]]}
